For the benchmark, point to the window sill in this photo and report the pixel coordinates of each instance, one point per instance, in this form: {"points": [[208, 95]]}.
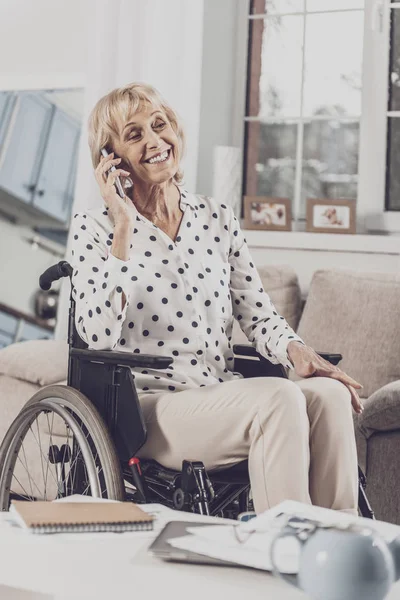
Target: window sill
{"points": [[326, 242]]}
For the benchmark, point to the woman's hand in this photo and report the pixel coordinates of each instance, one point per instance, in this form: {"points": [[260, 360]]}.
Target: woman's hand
{"points": [[117, 206], [307, 363]]}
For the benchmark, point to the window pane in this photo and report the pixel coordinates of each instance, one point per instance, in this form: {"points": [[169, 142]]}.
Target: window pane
{"points": [[319, 5], [277, 6], [393, 165], [330, 161], [394, 61], [271, 159], [333, 59], [275, 80]]}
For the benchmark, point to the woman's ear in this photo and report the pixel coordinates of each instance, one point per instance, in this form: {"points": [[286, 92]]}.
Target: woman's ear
{"points": [[124, 165]]}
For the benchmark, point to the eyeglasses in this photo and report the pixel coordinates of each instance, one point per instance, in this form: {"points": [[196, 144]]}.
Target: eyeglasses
{"points": [[303, 527]]}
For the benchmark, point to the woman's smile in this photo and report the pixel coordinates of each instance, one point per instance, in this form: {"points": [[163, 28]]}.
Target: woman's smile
{"points": [[159, 159]]}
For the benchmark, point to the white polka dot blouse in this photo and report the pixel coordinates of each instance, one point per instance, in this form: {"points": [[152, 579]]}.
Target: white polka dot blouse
{"points": [[181, 296]]}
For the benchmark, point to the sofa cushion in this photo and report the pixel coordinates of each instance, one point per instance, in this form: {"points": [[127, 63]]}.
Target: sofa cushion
{"points": [[281, 284], [41, 362], [356, 314]]}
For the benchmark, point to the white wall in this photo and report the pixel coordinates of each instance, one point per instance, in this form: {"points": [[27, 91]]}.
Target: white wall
{"points": [[43, 43]]}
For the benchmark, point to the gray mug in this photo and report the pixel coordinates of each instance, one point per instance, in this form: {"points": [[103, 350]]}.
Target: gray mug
{"points": [[340, 564]]}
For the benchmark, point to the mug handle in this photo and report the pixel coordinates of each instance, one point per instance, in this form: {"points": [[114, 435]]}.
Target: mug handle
{"points": [[287, 532]]}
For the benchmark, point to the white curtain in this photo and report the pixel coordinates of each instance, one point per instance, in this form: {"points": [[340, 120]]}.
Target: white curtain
{"points": [[154, 41]]}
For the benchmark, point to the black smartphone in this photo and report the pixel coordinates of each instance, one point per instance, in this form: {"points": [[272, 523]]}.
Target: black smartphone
{"points": [[118, 185]]}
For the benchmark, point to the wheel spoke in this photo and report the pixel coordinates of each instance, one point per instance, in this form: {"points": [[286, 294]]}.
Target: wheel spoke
{"points": [[30, 479], [45, 457], [22, 487], [26, 462], [41, 459]]}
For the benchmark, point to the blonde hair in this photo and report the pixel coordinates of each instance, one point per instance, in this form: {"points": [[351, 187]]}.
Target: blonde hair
{"points": [[124, 101]]}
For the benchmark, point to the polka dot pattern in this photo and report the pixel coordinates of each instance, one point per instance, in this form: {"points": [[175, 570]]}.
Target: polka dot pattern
{"points": [[181, 296]]}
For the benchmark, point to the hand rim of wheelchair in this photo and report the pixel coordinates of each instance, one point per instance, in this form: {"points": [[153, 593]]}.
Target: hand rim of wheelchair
{"points": [[75, 409]]}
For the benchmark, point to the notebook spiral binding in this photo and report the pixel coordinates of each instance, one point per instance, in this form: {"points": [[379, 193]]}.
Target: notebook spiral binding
{"points": [[93, 528]]}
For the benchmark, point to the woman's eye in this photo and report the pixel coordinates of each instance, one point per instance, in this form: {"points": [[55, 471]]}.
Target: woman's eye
{"points": [[156, 126]]}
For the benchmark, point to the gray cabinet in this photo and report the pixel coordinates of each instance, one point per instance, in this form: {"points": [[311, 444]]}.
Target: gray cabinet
{"points": [[24, 144], [53, 192], [7, 100], [38, 151]]}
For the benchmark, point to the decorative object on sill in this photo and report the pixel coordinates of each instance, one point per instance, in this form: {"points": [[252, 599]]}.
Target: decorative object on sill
{"points": [[325, 215], [266, 212], [46, 304], [227, 161]]}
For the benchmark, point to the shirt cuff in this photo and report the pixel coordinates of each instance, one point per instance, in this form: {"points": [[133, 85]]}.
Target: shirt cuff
{"points": [[119, 275], [281, 352]]}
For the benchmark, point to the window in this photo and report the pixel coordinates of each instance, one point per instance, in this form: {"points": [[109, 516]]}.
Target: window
{"points": [[312, 125]]}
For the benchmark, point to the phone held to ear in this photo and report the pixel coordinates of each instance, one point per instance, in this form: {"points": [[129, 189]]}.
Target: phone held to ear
{"points": [[118, 185]]}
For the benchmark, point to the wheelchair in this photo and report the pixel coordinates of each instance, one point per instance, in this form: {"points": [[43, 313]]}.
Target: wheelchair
{"points": [[83, 438]]}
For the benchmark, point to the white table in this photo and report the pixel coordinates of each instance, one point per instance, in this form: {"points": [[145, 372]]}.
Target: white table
{"points": [[117, 566]]}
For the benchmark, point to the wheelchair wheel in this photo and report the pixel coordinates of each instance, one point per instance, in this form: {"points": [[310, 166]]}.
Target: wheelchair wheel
{"points": [[58, 446]]}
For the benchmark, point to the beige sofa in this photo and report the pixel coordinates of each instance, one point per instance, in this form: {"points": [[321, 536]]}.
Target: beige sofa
{"points": [[349, 312]]}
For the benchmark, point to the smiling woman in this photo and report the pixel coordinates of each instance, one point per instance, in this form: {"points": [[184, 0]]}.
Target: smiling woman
{"points": [[166, 271], [137, 124]]}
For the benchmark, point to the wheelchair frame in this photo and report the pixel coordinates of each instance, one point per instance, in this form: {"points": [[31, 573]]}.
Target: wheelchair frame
{"points": [[105, 378]]}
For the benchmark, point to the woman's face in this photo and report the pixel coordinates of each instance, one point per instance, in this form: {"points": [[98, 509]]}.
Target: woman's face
{"points": [[148, 134]]}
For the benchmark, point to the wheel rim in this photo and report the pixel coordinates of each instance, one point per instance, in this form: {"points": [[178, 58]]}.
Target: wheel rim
{"points": [[62, 468]]}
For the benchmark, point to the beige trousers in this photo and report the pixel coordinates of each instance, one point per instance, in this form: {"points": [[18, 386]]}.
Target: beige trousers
{"points": [[297, 436]]}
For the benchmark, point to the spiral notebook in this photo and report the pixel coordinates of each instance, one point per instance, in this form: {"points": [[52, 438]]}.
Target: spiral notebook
{"points": [[79, 517]]}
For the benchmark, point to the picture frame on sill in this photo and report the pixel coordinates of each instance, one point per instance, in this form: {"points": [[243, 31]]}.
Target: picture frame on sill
{"points": [[268, 213], [325, 215]]}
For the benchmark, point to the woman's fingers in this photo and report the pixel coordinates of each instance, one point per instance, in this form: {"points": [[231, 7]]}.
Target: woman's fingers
{"points": [[105, 172], [344, 378], [114, 174], [355, 400], [334, 372], [103, 161], [107, 165]]}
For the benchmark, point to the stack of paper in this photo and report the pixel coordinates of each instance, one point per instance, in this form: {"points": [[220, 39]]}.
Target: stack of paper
{"points": [[249, 543]]}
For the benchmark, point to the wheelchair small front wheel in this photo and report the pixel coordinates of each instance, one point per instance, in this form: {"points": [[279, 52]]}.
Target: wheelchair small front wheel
{"points": [[57, 446]]}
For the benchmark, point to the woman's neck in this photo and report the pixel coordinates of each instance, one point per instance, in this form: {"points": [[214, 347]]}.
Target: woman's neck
{"points": [[158, 202]]}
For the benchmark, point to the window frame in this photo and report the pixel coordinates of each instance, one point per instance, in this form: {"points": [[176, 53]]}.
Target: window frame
{"points": [[372, 216]]}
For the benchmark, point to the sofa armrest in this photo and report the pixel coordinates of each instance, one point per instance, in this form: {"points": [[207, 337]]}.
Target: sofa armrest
{"points": [[381, 410]]}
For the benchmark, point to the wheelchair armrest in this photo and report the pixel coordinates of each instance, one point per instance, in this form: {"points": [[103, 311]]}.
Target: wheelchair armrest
{"points": [[124, 359], [248, 350], [331, 357], [245, 350]]}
